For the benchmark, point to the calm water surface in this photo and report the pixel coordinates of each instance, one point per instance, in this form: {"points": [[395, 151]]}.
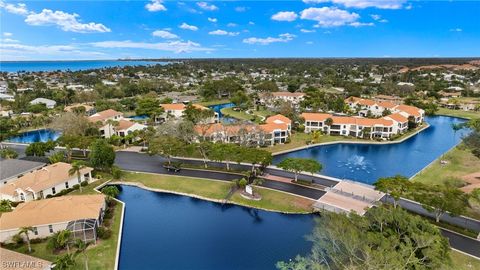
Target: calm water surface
{"points": [[164, 231], [15, 66], [218, 108], [366, 163], [40, 135]]}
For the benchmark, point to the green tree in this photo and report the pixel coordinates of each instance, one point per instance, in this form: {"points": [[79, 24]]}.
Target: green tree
{"points": [[148, 106], [395, 186], [39, 149], [385, 238], [298, 165], [111, 191], [25, 231], [241, 100], [223, 152], [440, 200], [165, 146], [76, 169], [102, 155], [197, 115]]}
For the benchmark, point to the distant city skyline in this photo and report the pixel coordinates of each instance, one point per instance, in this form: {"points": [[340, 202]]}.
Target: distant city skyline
{"points": [[81, 30]]}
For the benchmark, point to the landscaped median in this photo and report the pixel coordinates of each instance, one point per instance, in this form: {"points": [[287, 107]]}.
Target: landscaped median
{"points": [[217, 191]]}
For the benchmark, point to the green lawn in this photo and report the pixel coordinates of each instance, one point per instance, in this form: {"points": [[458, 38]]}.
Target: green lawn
{"points": [[272, 200], [214, 102], [463, 262], [460, 162], [458, 113], [241, 115], [300, 139]]}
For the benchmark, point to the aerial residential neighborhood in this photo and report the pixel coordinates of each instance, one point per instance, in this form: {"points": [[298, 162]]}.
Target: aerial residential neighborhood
{"points": [[212, 135]]}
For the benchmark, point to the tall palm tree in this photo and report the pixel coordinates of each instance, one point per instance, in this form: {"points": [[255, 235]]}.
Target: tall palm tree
{"points": [[25, 231], [77, 166], [82, 248]]}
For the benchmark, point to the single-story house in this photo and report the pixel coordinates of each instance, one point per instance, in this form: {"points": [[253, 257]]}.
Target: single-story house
{"points": [[11, 169], [82, 214], [38, 184]]}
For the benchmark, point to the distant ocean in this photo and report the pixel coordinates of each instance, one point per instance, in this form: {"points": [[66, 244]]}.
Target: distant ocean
{"points": [[15, 66]]}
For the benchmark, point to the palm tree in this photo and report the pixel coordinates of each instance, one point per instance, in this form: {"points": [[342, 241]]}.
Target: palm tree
{"points": [[77, 166], [63, 238], [82, 248], [25, 231]]}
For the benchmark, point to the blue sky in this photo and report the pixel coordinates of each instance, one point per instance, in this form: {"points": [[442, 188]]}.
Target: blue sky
{"points": [[51, 30]]}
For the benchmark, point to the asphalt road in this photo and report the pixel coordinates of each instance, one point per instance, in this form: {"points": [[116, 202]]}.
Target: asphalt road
{"points": [[132, 161], [140, 162], [462, 243]]}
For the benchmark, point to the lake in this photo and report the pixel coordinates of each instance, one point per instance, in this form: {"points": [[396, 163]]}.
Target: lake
{"points": [[366, 162], [165, 231], [33, 66], [218, 108]]}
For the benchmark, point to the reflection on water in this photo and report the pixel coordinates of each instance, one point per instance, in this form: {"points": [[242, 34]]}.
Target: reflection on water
{"points": [[165, 231], [366, 162]]}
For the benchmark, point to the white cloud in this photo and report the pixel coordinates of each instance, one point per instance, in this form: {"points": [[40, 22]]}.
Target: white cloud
{"points": [[309, 42], [214, 20], [9, 40], [329, 17], [265, 41], [66, 21], [381, 4], [231, 24], [456, 30], [378, 18], [20, 9], [307, 31], [164, 34], [171, 46], [241, 9], [251, 23], [155, 5], [360, 24], [287, 16], [206, 6], [223, 33], [7, 34], [21, 51], [188, 27]]}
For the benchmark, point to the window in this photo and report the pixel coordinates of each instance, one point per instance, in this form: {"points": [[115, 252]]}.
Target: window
{"points": [[50, 228], [66, 184], [79, 180], [22, 197], [53, 190], [35, 231]]}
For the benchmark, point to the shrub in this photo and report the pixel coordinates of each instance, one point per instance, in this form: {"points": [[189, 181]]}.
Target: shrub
{"points": [[17, 239], [8, 153], [76, 186], [104, 233], [84, 183]]}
